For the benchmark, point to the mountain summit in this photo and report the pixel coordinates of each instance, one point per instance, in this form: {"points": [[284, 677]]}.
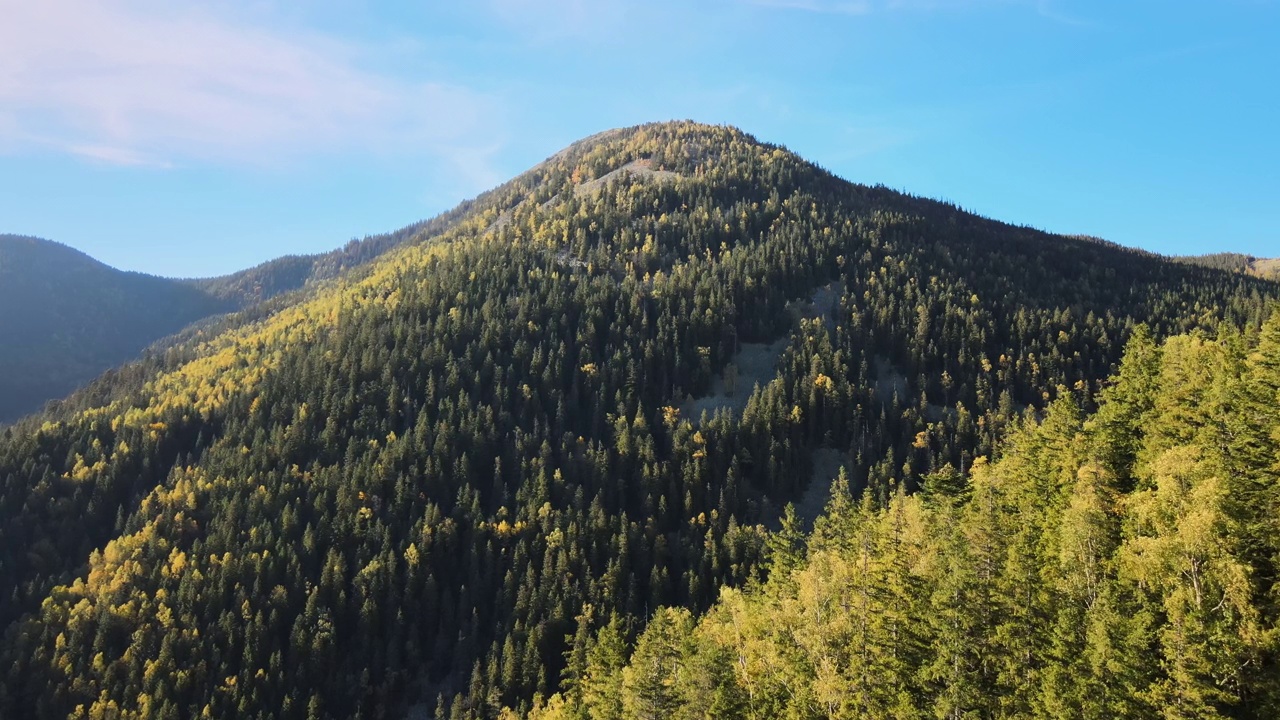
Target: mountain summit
{"points": [[426, 482]]}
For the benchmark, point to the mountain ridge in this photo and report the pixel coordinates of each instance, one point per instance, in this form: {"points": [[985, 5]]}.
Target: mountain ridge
{"points": [[150, 309], [240, 291]]}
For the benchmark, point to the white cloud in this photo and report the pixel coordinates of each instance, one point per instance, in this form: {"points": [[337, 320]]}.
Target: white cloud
{"points": [[150, 82]]}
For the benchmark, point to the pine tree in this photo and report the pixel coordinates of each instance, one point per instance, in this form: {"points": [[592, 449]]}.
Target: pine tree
{"points": [[786, 547], [1177, 558], [1077, 681], [1251, 436], [652, 679], [601, 684], [1118, 427]]}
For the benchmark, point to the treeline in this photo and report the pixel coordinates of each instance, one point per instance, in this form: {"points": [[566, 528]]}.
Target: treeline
{"points": [[409, 485], [1235, 262], [1121, 564]]}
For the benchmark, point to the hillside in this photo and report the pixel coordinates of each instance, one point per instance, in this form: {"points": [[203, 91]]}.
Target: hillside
{"points": [[291, 272], [1068, 579], [424, 484], [66, 317], [1268, 268], [70, 317]]}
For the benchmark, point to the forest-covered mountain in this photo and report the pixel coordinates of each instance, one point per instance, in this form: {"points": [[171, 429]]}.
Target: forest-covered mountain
{"points": [[424, 485]]}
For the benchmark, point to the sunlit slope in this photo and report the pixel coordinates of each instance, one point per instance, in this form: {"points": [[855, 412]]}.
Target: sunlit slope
{"points": [[65, 317]]}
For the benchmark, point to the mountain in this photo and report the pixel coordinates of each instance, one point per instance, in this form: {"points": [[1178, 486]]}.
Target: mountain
{"points": [[1268, 268], [66, 318], [424, 484]]}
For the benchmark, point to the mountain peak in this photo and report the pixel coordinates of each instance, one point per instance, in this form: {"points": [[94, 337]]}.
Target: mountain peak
{"points": [[24, 253]]}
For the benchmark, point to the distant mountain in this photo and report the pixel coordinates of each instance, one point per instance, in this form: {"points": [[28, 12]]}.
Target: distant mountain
{"points": [[424, 483], [1267, 268], [65, 317]]}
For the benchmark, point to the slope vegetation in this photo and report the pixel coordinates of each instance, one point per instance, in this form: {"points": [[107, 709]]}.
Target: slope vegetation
{"points": [[67, 318], [1115, 565]]}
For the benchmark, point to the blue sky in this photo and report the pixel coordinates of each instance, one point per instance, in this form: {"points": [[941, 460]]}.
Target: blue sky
{"points": [[191, 139]]}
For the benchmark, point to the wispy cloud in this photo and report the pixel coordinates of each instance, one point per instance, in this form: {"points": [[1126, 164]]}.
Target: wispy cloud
{"points": [[115, 156], [143, 82]]}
